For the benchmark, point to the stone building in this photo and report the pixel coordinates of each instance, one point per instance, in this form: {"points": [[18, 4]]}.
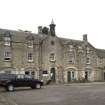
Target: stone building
{"points": [[48, 57]]}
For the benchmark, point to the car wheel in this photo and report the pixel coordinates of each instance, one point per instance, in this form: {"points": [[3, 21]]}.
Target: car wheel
{"points": [[33, 87], [38, 86], [10, 88]]}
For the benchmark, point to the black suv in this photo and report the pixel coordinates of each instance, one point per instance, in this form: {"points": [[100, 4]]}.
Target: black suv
{"points": [[10, 81]]}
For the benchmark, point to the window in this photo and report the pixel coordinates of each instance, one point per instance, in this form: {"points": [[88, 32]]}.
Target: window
{"points": [[32, 73], [100, 60], [104, 75], [52, 57], [30, 57], [20, 76], [73, 75], [70, 61], [88, 60], [30, 44], [80, 50], [7, 41], [71, 58], [52, 42], [28, 77], [7, 38], [7, 55], [88, 50], [70, 47], [8, 72]]}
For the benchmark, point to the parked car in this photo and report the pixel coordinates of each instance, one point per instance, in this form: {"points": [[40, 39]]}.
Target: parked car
{"points": [[10, 81]]}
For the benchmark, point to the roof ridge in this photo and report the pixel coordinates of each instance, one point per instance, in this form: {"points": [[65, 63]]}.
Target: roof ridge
{"points": [[71, 39]]}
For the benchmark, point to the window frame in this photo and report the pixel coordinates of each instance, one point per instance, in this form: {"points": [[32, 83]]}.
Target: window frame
{"points": [[7, 55], [30, 44], [7, 41], [88, 61], [30, 57], [52, 57]]}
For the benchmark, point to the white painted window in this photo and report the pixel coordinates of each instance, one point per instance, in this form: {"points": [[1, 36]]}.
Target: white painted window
{"points": [[87, 50], [7, 55], [80, 49], [52, 57], [71, 58], [88, 60], [7, 41], [70, 47], [30, 44], [30, 57]]}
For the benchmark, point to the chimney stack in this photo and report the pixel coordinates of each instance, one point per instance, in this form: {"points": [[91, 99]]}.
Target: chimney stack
{"points": [[85, 37], [40, 30]]}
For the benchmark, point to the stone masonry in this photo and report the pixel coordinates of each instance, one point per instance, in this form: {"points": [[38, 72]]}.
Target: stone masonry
{"points": [[48, 57]]}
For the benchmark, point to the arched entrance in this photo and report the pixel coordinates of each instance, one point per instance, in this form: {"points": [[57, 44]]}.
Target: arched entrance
{"points": [[86, 75], [32, 71], [53, 74], [71, 74]]}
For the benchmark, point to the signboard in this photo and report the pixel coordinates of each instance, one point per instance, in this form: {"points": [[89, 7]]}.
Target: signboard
{"points": [[45, 73]]}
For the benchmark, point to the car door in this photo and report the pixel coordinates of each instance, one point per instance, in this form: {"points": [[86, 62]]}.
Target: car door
{"points": [[28, 80], [20, 81]]}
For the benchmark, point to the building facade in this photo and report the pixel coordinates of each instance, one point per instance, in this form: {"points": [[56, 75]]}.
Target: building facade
{"points": [[48, 57]]}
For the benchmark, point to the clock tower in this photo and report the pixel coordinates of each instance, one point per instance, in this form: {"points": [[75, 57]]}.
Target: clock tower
{"points": [[52, 28]]}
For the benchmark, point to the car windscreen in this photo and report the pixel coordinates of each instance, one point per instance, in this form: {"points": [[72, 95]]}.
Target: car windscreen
{"points": [[7, 76]]}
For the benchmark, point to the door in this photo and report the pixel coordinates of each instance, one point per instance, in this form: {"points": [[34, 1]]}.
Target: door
{"points": [[69, 76], [53, 74], [20, 81], [86, 75], [104, 75]]}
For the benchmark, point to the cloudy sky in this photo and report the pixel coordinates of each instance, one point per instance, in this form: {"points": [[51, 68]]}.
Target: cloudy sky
{"points": [[73, 18]]}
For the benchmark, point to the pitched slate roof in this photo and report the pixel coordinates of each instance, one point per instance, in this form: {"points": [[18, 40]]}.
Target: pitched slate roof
{"points": [[100, 53], [66, 41], [20, 36], [17, 36]]}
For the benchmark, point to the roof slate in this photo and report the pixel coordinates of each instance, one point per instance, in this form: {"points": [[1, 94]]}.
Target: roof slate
{"points": [[21, 36], [100, 53]]}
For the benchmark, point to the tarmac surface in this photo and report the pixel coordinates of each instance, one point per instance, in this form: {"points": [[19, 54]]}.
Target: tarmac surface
{"points": [[67, 94]]}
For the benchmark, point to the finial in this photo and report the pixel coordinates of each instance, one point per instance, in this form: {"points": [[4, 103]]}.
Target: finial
{"points": [[52, 22]]}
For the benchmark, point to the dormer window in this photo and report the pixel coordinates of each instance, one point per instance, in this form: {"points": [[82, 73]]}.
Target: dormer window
{"points": [[7, 41], [30, 41], [7, 38], [30, 44]]}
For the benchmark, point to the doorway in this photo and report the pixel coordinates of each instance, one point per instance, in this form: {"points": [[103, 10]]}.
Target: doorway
{"points": [[53, 74], [71, 76], [86, 75], [104, 75]]}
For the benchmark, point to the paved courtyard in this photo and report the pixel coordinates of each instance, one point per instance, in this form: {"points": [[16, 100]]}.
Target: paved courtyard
{"points": [[73, 94]]}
